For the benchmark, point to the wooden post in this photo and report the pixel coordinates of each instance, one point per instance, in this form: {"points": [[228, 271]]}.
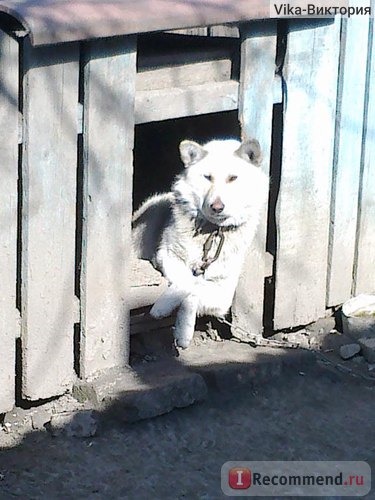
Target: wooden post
{"points": [[48, 218], [347, 157], [303, 208], [8, 216], [258, 53], [109, 89], [365, 265]]}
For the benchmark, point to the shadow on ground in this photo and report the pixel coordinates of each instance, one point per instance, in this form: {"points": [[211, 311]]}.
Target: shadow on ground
{"points": [[315, 414]]}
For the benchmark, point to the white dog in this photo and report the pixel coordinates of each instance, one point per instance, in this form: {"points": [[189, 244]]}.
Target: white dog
{"points": [[197, 234]]}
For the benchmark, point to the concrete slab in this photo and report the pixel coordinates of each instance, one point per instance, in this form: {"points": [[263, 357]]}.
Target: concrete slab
{"points": [[157, 387], [130, 395]]}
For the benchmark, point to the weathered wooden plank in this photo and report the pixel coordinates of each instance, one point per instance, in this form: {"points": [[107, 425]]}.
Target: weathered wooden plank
{"points": [[347, 158], [108, 136], [303, 207], [147, 284], [48, 218], [156, 105], [224, 31], [184, 75], [258, 52], [365, 265], [190, 31], [8, 216]]}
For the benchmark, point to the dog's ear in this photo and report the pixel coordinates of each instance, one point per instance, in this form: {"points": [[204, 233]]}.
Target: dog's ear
{"points": [[191, 152], [250, 151]]}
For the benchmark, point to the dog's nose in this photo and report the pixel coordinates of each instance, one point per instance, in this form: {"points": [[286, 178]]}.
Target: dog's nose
{"points": [[217, 206]]}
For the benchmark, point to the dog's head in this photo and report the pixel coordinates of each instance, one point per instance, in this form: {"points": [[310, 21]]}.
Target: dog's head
{"points": [[222, 181]]}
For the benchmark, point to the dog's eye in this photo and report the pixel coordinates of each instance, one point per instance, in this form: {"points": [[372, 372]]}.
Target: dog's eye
{"points": [[208, 177], [232, 178]]}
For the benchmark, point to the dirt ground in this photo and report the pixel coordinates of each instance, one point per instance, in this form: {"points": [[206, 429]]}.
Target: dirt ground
{"points": [[318, 414]]}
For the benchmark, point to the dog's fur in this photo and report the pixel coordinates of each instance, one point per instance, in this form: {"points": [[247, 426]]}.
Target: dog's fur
{"points": [[221, 186]]}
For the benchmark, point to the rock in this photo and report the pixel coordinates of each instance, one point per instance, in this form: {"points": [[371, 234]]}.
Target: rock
{"points": [[83, 392], [171, 391], [148, 390], [40, 418], [16, 420], [348, 351], [368, 349], [371, 367], [73, 424], [315, 342]]}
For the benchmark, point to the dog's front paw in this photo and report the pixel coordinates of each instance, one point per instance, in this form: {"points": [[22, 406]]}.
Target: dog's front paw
{"points": [[182, 343], [183, 333]]}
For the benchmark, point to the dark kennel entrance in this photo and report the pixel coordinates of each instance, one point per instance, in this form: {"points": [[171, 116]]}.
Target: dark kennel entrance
{"points": [[156, 154]]}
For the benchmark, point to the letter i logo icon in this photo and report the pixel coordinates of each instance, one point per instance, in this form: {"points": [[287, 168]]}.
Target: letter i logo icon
{"points": [[239, 478]]}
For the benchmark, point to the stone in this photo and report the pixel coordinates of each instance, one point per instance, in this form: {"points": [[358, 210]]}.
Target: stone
{"points": [[146, 391], [143, 399], [368, 349], [73, 424], [348, 351], [40, 418], [17, 419], [83, 392]]}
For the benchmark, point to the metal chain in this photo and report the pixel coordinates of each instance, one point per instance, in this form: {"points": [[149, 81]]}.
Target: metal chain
{"points": [[206, 260], [257, 341]]}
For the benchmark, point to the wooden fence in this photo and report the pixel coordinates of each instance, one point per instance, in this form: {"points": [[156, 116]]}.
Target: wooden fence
{"points": [[67, 117]]}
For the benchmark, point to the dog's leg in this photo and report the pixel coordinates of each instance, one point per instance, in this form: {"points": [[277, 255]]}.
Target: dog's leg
{"points": [[181, 284], [214, 299], [175, 270], [185, 322], [168, 302]]}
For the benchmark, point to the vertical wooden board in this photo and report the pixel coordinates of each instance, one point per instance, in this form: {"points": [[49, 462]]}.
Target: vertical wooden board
{"points": [[365, 265], [258, 52], [109, 91], [8, 215], [347, 158], [303, 207], [48, 219]]}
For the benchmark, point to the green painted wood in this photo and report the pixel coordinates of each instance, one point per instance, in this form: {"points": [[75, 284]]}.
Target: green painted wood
{"points": [[258, 52], [303, 207], [108, 136], [347, 158], [365, 264], [8, 216], [50, 96]]}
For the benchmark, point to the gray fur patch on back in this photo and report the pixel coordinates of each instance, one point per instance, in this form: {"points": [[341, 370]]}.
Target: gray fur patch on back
{"points": [[148, 225]]}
